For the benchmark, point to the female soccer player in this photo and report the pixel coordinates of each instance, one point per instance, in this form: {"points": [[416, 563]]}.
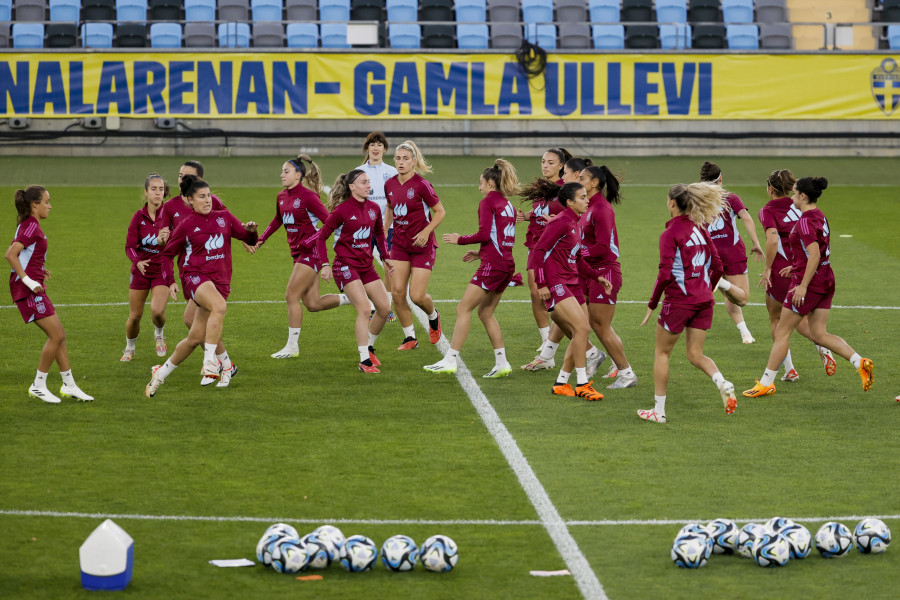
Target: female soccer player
{"points": [[358, 228], [811, 291], [142, 247], [26, 256], [557, 266], [410, 202], [731, 248], [206, 233], [379, 172], [689, 268], [497, 236], [778, 217], [299, 208]]}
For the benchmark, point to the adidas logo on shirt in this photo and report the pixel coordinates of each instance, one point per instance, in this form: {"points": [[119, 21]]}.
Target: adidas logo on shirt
{"points": [[508, 211], [792, 215], [353, 218], [697, 239], [196, 229]]}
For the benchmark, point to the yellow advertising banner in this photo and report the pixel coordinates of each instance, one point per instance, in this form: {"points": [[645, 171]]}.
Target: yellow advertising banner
{"points": [[448, 86]]}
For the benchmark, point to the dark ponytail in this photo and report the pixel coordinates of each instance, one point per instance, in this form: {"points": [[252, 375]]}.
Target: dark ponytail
{"points": [[27, 198], [812, 187], [564, 157], [578, 164], [540, 190], [605, 180], [567, 192], [190, 184]]}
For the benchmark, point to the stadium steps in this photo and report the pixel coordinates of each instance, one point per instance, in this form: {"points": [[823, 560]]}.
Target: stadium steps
{"points": [[811, 37]]}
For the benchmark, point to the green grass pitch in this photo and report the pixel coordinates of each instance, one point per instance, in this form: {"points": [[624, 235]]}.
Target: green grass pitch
{"points": [[312, 441]]}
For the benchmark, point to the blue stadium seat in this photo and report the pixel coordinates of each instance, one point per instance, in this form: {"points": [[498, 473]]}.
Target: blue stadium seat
{"points": [[608, 37], [403, 10], [199, 10], [131, 10], [671, 11], [302, 35], [538, 11], [893, 37], [471, 37], [742, 37], [404, 35], [543, 35], [165, 35], [96, 35], [335, 10], [604, 11], [675, 37], [470, 11], [63, 11], [737, 11], [334, 35], [266, 10], [234, 35], [6, 12], [28, 36]]}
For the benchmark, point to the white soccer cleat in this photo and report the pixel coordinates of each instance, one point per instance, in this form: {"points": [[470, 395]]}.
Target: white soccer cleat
{"points": [[161, 347], [827, 361], [623, 381], [225, 377], [155, 382], [613, 372], [539, 363], [441, 367], [497, 372], [127, 355], [287, 352], [728, 397], [790, 376], [650, 415], [42, 393], [73, 391], [747, 339], [592, 364], [211, 372]]}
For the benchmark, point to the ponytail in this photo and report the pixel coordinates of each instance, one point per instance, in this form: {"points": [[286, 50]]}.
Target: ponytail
{"points": [[340, 191], [419, 165], [578, 164], [503, 174], [782, 182], [605, 180], [701, 202], [710, 172], [812, 187], [564, 157], [540, 190], [26, 199], [190, 184], [153, 176], [311, 173]]}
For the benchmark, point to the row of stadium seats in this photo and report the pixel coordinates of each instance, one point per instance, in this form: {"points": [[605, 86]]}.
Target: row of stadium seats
{"points": [[567, 36]]}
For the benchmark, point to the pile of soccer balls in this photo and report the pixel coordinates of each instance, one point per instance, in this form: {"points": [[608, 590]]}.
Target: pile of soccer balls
{"points": [[282, 548], [776, 542]]}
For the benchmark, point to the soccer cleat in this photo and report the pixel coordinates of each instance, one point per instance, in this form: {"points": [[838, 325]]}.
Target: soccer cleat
{"points": [[434, 333], [588, 392], [127, 355], [748, 339], [155, 382], [211, 371], [650, 415], [897, 398], [728, 397], [287, 352], [73, 391], [441, 367], [161, 347], [227, 375], [791, 376], [391, 317], [563, 389], [371, 314], [539, 363], [498, 372], [591, 364], [373, 358], [368, 368], [623, 381], [613, 372], [759, 390], [866, 373], [410, 343], [827, 361], [42, 393]]}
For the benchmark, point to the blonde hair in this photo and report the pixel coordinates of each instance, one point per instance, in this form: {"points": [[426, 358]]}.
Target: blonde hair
{"points": [[503, 174], [340, 191], [419, 165], [701, 202], [309, 171]]}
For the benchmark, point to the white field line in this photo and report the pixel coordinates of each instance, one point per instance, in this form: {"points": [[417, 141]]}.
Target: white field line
{"points": [[436, 522], [550, 518], [436, 300]]}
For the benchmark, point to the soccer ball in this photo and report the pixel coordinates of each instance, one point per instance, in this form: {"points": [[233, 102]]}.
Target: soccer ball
{"points": [[399, 553], [332, 533], [321, 550], [691, 550], [747, 537], [439, 554], [833, 540], [872, 536], [358, 554], [273, 534], [724, 534], [289, 555], [776, 524], [695, 528], [771, 550], [799, 539]]}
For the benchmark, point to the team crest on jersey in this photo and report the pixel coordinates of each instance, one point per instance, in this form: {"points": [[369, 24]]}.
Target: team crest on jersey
{"points": [[371, 214], [297, 203], [220, 221], [558, 289], [195, 279], [410, 193]]}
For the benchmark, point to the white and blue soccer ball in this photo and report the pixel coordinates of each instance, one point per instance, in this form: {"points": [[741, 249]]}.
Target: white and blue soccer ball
{"points": [[439, 554], [359, 554], [776, 524], [335, 535], [771, 550], [833, 540], [321, 550], [273, 534], [799, 539], [872, 536], [289, 555], [691, 550], [747, 537], [695, 528], [399, 553], [724, 535]]}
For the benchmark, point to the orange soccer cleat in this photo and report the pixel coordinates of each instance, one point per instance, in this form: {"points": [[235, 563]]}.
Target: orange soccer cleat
{"points": [[563, 389], [588, 392], [410, 343], [759, 390], [866, 373], [434, 333]]}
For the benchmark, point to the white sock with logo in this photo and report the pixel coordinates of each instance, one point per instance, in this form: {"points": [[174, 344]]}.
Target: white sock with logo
{"points": [[500, 357], [67, 378], [660, 407], [40, 380], [548, 350], [409, 332], [225, 360], [545, 333], [293, 337]]}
